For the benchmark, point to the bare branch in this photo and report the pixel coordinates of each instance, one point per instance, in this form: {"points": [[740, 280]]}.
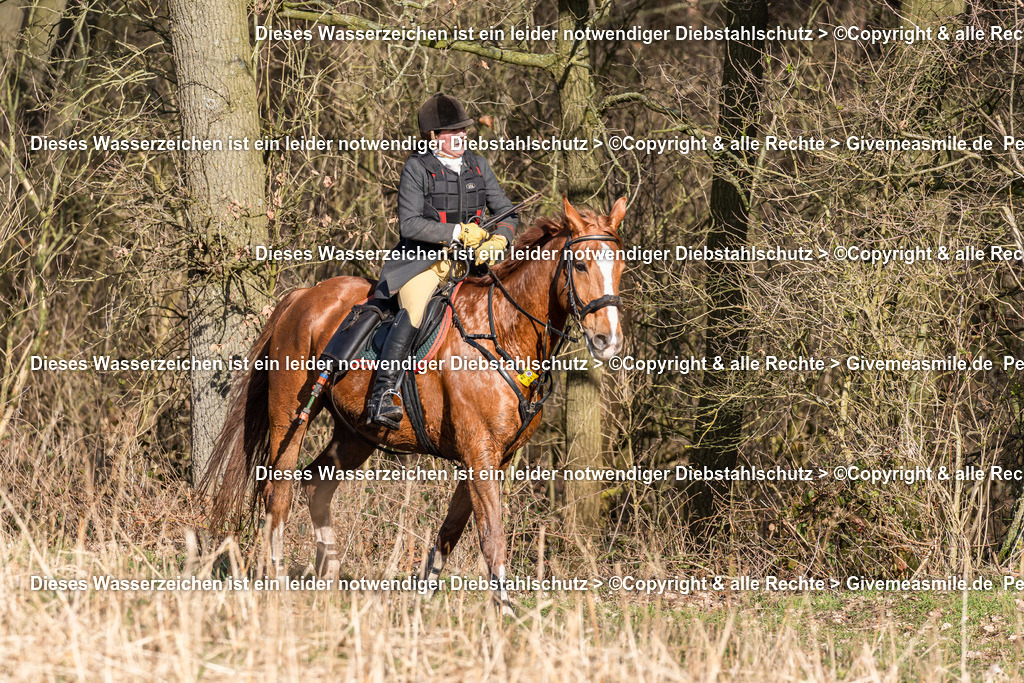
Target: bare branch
{"points": [[547, 62], [613, 101]]}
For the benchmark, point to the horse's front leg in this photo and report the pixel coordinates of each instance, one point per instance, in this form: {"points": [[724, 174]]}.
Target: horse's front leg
{"points": [[485, 494], [451, 530]]}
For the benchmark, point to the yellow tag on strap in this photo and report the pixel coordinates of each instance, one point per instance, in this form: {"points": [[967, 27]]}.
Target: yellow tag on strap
{"points": [[527, 377]]}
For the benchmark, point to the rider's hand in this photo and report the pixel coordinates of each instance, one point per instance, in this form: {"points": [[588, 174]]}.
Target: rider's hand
{"points": [[490, 251], [472, 234]]}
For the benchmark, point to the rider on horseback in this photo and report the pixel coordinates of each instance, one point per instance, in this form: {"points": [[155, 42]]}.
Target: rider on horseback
{"points": [[442, 195]]}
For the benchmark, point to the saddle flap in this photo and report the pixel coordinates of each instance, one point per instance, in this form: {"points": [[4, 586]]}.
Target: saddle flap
{"points": [[363, 332], [432, 317]]}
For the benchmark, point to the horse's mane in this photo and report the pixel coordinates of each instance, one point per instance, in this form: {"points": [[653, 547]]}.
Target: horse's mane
{"points": [[540, 233]]}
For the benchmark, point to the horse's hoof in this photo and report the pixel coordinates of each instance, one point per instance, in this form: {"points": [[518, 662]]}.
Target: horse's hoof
{"points": [[327, 565]]}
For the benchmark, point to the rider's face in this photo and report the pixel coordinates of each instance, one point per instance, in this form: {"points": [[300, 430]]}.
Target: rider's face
{"points": [[452, 142]]}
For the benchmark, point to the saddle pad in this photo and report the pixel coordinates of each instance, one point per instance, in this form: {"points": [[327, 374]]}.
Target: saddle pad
{"points": [[429, 339]]}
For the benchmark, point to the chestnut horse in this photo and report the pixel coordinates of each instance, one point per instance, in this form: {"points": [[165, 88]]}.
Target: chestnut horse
{"points": [[473, 417]]}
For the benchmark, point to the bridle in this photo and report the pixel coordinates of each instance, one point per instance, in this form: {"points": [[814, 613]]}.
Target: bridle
{"points": [[580, 312], [529, 409], [577, 308]]}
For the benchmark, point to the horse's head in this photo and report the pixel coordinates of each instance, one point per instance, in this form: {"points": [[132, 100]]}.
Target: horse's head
{"points": [[589, 280]]}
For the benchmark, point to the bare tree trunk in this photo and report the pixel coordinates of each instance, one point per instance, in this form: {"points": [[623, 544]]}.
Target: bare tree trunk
{"points": [[11, 17], [227, 212], [29, 53], [718, 425], [577, 92], [40, 39], [31, 26]]}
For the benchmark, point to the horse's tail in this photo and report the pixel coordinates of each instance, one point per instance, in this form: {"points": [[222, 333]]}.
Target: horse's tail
{"points": [[244, 440]]}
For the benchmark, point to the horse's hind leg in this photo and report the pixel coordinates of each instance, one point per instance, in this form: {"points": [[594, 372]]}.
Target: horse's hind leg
{"points": [[342, 454], [451, 530], [285, 443]]}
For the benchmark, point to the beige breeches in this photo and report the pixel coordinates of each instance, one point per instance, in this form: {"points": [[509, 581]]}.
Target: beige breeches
{"points": [[414, 294]]}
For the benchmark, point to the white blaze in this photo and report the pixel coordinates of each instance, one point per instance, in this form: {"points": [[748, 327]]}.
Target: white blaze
{"points": [[606, 264]]}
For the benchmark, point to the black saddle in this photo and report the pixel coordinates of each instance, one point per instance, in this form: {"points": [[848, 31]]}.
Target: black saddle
{"points": [[362, 333]]}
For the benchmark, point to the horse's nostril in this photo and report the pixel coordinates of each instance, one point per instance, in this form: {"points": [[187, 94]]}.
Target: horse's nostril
{"points": [[600, 341]]}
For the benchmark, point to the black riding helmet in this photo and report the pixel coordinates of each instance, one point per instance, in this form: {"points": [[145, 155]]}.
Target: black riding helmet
{"points": [[442, 112]]}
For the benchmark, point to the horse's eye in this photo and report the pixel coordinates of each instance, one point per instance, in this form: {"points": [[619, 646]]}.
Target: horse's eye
{"points": [[582, 267]]}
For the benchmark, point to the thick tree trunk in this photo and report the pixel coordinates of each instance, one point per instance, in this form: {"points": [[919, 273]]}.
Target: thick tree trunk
{"points": [[577, 95], [718, 425], [227, 212], [28, 36], [11, 18], [584, 440], [40, 39]]}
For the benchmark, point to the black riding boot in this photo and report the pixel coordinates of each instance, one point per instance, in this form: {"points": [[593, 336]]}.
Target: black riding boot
{"points": [[351, 335], [396, 348]]}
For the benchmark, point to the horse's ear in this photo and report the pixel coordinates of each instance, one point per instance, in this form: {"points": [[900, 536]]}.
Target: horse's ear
{"points": [[618, 212], [576, 225]]}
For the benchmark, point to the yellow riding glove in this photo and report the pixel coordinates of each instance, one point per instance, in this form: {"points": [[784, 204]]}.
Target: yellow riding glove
{"points": [[490, 251], [472, 234]]}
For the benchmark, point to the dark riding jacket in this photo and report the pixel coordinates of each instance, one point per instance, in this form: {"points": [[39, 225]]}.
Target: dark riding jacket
{"points": [[432, 201]]}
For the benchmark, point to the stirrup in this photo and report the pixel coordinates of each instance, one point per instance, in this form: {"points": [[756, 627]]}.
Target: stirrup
{"points": [[383, 404], [392, 392]]}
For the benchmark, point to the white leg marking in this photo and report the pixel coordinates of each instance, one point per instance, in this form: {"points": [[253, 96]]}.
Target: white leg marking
{"points": [[276, 546], [440, 560], [325, 535], [506, 604], [327, 564], [433, 568]]}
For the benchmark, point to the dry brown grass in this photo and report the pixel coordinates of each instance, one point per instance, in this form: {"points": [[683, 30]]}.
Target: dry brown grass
{"points": [[127, 531]]}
